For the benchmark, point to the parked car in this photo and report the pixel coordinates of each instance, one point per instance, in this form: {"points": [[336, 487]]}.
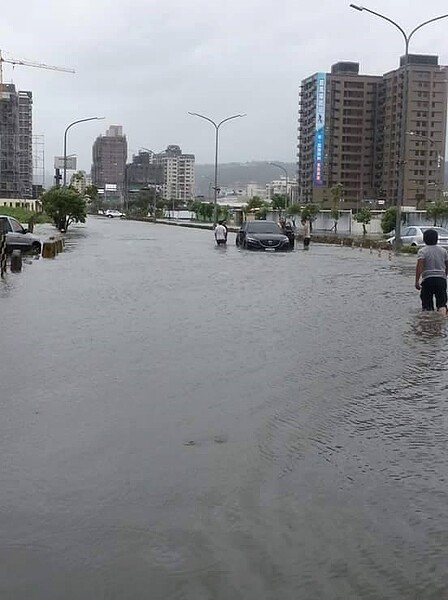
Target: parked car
{"points": [[262, 235], [413, 236], [17, 237], [113, 214]]}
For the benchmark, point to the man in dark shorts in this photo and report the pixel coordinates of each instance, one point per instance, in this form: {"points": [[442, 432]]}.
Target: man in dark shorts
{"points": [[432, 268]]}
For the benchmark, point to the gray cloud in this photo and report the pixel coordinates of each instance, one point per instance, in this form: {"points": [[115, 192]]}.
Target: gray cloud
{"points": [[145, 64]]}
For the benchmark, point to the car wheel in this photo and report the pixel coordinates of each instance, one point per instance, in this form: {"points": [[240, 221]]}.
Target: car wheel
{"points": [[414, 245], [36, 248]]}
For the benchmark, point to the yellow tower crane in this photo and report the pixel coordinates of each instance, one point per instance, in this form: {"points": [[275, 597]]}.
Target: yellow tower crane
{"points": [[26, 63]]}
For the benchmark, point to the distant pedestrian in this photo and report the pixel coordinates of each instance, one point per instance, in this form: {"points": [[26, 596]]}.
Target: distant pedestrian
{"points": [[306, 233], [220, 234], [288, 230], [430, 273], [224, 224]]}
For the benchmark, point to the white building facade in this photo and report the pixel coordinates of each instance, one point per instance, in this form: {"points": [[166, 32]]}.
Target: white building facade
{"points": [[178, 174], [282, 187]]}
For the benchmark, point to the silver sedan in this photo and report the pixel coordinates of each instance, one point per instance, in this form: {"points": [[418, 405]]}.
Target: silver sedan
{"points": [[413, 236]]}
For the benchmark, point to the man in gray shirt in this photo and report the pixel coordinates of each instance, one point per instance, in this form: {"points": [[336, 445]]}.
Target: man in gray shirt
{"points": [[430, 273]]}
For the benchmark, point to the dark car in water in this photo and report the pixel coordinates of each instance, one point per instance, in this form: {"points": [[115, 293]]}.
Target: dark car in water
{"points": [[262, 235]]}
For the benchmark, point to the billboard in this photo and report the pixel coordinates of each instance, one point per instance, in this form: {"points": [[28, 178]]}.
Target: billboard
{"points": [[319, 134], [70, 160]]}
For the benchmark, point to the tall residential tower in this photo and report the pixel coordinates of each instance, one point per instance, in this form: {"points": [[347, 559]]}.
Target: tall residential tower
{"points": [[349, 132]]}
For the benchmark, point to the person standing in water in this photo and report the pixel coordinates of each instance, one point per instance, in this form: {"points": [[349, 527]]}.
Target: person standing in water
{"points": [[220, 234], [430, 273], [306, 233]]}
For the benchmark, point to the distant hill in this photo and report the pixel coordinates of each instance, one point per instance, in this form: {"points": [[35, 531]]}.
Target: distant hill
{"points": [[238, 175]]}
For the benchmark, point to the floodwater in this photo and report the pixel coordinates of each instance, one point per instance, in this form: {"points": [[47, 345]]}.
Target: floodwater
{"points": [[181, 422]]}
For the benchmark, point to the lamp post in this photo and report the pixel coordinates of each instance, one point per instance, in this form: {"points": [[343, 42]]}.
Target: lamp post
{"points": [[286, 180], [217, 127], [431, 141], [65, 142], [404, 109]]}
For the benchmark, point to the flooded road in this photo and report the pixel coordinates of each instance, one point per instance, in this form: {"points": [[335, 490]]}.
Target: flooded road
{"points": [[181, 422]]}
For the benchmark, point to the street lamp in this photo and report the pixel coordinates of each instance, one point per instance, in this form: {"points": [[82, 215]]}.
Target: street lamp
{"points": [[430, 141], [65, 142], [286, 178], [216, 126], [404, 108]]}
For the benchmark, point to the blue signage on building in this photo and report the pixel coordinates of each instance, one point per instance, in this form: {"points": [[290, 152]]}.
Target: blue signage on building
{"points": [[319, 136]]}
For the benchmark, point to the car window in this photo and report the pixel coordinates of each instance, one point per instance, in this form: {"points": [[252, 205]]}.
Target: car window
{"points": [[412, 231], [405, 231], [263, 227], [4, 225], [16, 226]]}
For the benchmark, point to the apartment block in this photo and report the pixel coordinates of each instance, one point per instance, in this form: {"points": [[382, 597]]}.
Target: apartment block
{"points": [[426, 118], [178, 174], [337, 128], [349, 132]]}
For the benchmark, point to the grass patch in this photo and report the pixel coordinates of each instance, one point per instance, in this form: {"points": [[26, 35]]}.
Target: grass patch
{"points": [[409, 249], [23, 215]]}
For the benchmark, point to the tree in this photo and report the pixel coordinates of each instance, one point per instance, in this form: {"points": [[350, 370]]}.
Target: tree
{"points": [[255, 203], [145, 202], [364, 216], [337, 194], [93, 198], [388, 219], [196, 208], [438, 212], [64, 206], [293, 211], [223, 213], [309, 212], [278, 202], [91, 192]]}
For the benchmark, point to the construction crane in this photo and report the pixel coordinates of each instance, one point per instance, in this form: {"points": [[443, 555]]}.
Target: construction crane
{"points": [[27, 63]]}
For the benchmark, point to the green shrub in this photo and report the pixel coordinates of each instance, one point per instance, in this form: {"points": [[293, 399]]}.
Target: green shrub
{"points": [[23, 215], [409, 249]]}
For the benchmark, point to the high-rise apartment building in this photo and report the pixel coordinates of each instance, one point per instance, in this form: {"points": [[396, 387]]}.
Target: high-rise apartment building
{"points": [[109, 159], [16, 147], [337, 119], [178, 174], [349, 132], [426, 118]]}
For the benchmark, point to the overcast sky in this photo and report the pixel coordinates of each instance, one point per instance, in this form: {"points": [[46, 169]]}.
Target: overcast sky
{"points": [[144, 64]]}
